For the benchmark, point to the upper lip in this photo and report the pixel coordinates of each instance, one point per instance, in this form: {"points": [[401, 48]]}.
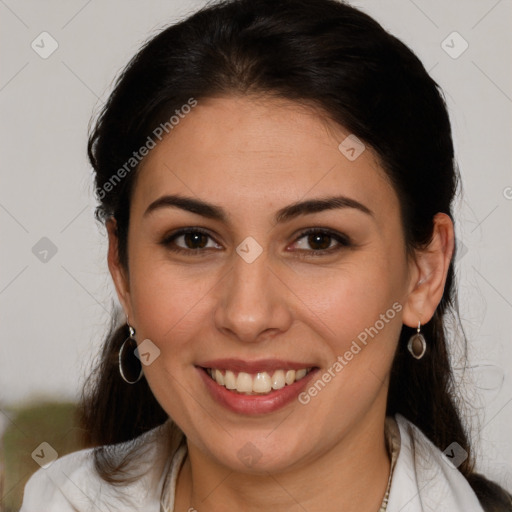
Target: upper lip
{"points": [[257, 366]]}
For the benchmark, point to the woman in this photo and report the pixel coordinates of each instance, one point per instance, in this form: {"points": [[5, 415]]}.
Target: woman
{"points": [[276, 180]]}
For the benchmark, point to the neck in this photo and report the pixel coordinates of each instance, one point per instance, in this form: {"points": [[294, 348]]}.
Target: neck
{"points": [[352, 476]]}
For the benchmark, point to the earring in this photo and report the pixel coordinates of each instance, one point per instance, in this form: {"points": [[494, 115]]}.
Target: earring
{"points": [[130, 366], [417, 345]]}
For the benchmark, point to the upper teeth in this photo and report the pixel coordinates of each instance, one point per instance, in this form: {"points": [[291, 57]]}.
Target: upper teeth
{"points": [[259, 383]]}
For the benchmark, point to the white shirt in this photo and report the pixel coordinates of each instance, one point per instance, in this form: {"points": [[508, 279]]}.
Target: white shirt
{"points": [[424, 480]]}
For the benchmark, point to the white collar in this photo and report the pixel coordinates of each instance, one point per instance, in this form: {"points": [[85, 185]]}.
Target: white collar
{"points": [[424, 479]]}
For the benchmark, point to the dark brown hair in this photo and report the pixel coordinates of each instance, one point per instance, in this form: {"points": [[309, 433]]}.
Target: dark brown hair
{"points": [[320, 52]]}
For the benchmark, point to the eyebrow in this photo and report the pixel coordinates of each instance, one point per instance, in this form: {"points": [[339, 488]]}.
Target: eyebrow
{"points": [[285, 214]]}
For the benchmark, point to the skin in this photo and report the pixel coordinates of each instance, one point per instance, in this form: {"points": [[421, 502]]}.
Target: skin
{"points": [[252, 157]]}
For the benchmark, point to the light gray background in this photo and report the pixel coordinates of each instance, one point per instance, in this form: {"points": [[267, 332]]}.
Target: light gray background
{"points": [[54, 314]]}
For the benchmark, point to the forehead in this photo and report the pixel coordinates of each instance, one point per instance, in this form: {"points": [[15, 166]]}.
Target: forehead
{"points": [[244, 151]]}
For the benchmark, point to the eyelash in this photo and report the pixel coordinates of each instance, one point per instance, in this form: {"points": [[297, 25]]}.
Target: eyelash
{"points": [[343, 242]]}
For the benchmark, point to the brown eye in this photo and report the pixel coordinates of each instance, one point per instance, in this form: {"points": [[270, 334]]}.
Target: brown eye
{"points": [[191, 240], [195, 240], [317, 242]]}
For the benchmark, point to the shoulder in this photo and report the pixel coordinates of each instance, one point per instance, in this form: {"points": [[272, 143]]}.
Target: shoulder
{"points": [[63, 485], [71, 482], [425, 478]]}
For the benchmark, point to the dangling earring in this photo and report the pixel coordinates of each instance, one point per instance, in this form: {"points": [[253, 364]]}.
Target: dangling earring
{"points": [[417, 345], [130, 366]]}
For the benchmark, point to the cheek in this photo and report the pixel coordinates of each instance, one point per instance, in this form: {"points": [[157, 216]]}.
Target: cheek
{"points": [[167, 308], [357, 311], [170, 304], [345, 301]]}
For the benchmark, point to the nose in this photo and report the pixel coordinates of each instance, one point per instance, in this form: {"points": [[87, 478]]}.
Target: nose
{"points": [[252, 305]]}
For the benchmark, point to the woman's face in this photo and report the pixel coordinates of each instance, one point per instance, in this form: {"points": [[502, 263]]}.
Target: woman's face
{"points": [[248, 294]]}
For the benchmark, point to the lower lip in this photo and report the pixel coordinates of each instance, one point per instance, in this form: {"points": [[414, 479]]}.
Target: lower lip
{"points": [[255, 404]]}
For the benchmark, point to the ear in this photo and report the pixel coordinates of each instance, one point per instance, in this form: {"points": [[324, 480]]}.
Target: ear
{"points": [[117, 271], [428, 271]]}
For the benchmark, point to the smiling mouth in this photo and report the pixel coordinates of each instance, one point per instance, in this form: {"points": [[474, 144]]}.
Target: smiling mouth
{"points": [[261, 383]]}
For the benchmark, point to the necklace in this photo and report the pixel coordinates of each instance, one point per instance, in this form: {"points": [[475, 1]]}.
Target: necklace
{"points": [[393, 446]]}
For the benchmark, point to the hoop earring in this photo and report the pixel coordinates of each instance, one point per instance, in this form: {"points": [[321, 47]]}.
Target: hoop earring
{"points": [[417, 345], [130, 366]]}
